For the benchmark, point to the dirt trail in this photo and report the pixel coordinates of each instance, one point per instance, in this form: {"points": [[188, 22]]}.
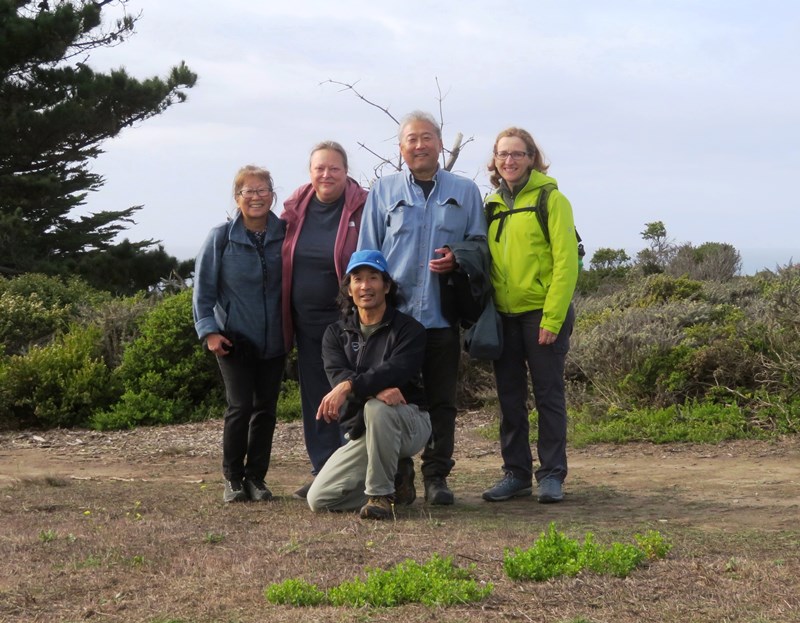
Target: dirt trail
{"points": [[732, 485]]}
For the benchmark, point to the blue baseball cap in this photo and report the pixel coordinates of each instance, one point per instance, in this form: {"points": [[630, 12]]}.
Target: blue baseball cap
{"points": [[373, 259]]}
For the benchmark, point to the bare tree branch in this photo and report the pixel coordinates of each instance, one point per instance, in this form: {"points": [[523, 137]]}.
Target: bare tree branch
{"points": [[449, 157], [351, 87]]}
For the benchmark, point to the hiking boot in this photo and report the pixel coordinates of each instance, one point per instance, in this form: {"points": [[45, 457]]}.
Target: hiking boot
{"points": [[257, 490], [235, 491], [302, 492], [437, 492], [404, 491], [550, 490], [508, 487], [377, 507]]}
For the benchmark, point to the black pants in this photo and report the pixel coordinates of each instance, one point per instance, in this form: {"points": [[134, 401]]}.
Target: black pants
{"points": [[440, 377], [251, 390], [546, 364], [322, 438]]}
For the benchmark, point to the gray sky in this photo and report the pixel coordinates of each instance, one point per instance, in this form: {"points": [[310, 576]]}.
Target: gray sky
{"points": [[684, 111]]}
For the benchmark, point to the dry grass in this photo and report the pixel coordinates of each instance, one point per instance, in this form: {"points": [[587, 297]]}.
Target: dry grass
{"points": [[164, 548]]}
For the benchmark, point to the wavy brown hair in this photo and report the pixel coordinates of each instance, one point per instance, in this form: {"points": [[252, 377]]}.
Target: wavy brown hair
{"points": [[539, 163]]}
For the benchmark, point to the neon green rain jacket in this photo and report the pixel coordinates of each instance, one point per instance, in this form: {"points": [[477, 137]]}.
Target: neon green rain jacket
{"points": [[527, 272]]}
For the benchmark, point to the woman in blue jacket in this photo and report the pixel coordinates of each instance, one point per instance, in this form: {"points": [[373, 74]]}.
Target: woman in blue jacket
{"points": [[237, 313]]}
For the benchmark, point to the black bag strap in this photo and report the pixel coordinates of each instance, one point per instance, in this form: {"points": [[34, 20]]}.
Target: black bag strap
{"points": [[540, 208]]}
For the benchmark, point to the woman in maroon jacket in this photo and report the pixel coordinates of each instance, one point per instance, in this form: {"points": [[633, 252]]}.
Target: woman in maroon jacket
{"points": [[323, 219]]}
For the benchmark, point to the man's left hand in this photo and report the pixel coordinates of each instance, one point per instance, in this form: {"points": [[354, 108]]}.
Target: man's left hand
{"points": [[391, 396]]}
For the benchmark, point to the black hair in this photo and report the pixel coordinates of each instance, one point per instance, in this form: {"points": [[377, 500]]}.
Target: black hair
{"points": [[345, 301]]}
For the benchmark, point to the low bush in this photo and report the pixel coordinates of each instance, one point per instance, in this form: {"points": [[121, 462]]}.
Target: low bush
{"points": [[34, 307], [166, 374], [59, 384]]}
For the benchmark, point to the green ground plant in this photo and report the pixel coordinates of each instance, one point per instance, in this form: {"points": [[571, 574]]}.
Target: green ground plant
{"points": [[437, 582], [554, 554]]}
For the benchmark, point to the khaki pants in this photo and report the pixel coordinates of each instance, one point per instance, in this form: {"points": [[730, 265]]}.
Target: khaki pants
{"points": [[365, 467]]}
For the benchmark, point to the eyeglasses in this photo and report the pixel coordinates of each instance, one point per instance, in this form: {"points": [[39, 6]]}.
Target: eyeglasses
{"points": [[515, 155], [253, 192]]}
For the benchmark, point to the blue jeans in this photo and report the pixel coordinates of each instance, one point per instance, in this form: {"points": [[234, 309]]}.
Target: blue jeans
{"points": [[522, 353], [251, 391]]}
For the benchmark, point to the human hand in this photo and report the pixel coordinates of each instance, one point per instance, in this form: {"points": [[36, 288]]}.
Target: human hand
{"points": [[333, 401], [391, 396], [444, 264], [546, 337], [218, 344]]}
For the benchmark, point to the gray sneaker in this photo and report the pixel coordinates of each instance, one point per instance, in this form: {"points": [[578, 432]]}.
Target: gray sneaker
{"points": [[235, 491], [508, 487], [550, 490], [257, 490]]}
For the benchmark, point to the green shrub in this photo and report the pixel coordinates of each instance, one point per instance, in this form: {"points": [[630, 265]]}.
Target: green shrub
{"points": [[289, 406], [59, 384], [33, 308], [166, 374]]}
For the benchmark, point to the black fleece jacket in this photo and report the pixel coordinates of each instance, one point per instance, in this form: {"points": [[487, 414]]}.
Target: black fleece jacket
{"points": [[392, 356]]}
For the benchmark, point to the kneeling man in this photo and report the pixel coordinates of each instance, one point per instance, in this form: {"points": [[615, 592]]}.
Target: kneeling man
{"points": [[373, 357]]}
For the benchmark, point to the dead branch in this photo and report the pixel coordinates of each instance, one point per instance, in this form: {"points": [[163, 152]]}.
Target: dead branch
{"points": [[351, 87]]}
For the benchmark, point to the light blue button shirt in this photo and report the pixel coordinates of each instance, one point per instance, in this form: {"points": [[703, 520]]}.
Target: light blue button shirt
{"points": [[398, 221]]}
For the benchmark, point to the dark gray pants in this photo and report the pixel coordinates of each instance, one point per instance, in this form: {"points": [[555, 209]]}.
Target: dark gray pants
{"points": [[440, 377], [251, 391], [522, 353]]}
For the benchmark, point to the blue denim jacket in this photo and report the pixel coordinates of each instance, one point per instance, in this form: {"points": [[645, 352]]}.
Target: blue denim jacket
{"points": [[398, 221], [233, 293]]}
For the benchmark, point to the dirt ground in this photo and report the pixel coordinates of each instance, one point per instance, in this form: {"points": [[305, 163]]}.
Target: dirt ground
{"points": [[732, 512]]}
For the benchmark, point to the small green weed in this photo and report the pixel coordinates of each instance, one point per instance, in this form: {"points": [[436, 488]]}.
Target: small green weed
{"points": [[47, 536], [554, 554], [653, 544], [435, 583], [212, 538]]}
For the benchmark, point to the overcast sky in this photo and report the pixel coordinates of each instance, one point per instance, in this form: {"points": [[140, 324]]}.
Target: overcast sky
{"points": [[684, 111]]}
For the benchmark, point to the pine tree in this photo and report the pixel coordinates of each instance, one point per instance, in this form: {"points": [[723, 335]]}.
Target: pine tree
{"points": [[55, 112]]}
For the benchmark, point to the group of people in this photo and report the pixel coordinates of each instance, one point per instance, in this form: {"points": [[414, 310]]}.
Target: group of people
{"points": [[362, 283]]}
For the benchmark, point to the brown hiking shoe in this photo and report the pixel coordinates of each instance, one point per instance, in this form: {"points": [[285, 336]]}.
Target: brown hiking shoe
{"points": [[404, 491], [378, 507]]}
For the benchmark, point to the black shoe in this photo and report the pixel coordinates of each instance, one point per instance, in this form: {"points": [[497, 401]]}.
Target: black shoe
{"points": [[404, 491], [235, 491], [437, 492], [257, 490]]}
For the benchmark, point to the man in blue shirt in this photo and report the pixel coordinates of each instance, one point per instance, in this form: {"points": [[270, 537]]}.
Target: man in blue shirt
{"points": [[411, 216]]}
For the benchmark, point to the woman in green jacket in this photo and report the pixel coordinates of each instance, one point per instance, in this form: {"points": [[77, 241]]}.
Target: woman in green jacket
{"points": [[534, 271]]}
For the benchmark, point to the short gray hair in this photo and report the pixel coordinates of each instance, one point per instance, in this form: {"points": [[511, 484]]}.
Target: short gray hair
{"points": [[418, 115]]}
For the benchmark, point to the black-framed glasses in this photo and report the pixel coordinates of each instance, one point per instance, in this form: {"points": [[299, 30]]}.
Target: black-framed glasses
{"points": [[515, 155], [249, 193]]}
